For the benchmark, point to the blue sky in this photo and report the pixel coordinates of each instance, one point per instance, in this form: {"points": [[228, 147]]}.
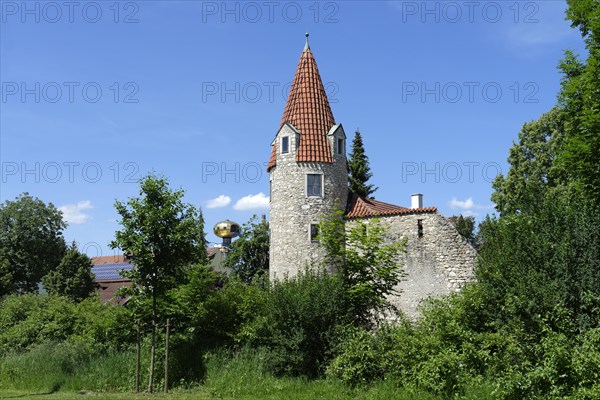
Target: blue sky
{"points": [[97, 94]]}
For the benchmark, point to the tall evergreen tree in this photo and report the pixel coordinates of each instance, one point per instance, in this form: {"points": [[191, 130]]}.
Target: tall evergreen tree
{"points": [[360, 172]]}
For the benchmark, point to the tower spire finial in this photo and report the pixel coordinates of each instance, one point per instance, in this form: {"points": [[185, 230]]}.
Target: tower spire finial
{"points": [[306, 46]]}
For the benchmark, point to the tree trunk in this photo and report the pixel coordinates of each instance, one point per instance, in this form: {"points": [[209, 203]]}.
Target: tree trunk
{"points": [[152, 353], [137, 358], [153, 348], [167, 355]]}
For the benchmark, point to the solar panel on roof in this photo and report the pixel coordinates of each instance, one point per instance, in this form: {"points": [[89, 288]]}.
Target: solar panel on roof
{"points": [[111, 271]]}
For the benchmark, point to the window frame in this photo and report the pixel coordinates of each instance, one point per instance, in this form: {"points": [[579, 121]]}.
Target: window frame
{"points": [[314, 238], [285, 145], [340, 146], [306, 185]]}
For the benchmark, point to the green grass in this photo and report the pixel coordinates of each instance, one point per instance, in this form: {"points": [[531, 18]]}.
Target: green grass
{"points": [[287, 389], [66, 372]]}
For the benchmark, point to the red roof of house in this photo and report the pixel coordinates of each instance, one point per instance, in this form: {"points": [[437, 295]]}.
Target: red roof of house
{"points": [[360, 207], [308, 110], [117, 258]]}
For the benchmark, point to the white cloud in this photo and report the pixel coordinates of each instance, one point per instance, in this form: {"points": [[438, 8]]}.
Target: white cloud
{"points": [[252, 202], [74, 213], [221, 201], [463, 205], [467, 206]]}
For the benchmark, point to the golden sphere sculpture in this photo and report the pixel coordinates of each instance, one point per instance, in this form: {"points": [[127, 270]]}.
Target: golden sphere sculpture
{"points": [[227, 229]]}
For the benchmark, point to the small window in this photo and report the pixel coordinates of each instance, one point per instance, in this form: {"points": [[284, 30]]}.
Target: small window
{"points": [[420, 228], [340, 146], [314, 185], [314, 232], [285, 144]]}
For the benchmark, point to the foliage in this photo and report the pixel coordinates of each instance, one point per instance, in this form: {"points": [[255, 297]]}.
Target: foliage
{"points": [[298, 323], [205, 310], [533, 266], [359, 170], [164, 236], [578, 159], [249, 255], [27, 321], [530, 176], [31, 243], [360, 359], [368, 266], [465, 226], [73, 277], [6, 278], [243, 374], [529, 324]]}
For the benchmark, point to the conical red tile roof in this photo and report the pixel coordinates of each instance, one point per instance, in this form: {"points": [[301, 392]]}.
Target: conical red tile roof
{"points": [[308, 110]]}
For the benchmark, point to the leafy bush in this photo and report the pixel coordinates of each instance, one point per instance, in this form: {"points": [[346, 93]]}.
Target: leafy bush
{"points": [[361, 360], [299, 323], [30, 320]]}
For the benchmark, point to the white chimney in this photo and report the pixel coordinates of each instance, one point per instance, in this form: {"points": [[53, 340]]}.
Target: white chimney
{"points": [[416, 200]]}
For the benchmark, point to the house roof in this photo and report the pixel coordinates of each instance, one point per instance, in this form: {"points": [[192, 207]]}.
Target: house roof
{"points": [[110, 267], [361, 207], [308, 110], [117, 258]]}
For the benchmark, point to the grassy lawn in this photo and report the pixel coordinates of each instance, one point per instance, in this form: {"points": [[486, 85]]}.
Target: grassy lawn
{"points": [[200, 395], [300, 391]]}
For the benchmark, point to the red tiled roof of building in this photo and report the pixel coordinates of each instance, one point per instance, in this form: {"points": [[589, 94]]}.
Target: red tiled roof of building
{"points": [[308, 110], [360, 207], [117, 258]]}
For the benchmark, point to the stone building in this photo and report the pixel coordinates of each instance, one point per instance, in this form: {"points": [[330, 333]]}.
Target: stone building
{"points": [[308, 176]]}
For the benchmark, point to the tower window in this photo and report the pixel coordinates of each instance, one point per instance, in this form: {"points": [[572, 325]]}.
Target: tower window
{"points": [[340, 146], [285, 144], [314, 233], [314, 185]]}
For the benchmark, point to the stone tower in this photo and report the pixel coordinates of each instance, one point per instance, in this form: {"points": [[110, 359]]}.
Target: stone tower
{"points": [[308, 171]]}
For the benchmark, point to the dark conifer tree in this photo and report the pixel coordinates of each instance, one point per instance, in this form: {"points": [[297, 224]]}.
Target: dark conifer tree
{"points": [[360, 172]]}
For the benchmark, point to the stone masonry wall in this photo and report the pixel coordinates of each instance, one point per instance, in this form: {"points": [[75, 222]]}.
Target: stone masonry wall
{"points": [[438, 263], [292, 211]]}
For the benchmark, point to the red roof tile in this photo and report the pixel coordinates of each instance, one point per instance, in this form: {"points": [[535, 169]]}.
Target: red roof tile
{"points": [[117, 258], [308, 110], [360, 207]]}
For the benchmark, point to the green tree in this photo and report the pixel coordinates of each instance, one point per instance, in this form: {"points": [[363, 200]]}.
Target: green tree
{"points": [[368, 264], [359, 170], [465, 226], [73, 277], [6, 279], [31, 242], [531, 160], [249, 255], [164, 236], [542, 268], [578, 158]]}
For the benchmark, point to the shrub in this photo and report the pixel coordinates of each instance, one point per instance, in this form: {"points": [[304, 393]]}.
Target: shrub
{"points": [[298, 328]]}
